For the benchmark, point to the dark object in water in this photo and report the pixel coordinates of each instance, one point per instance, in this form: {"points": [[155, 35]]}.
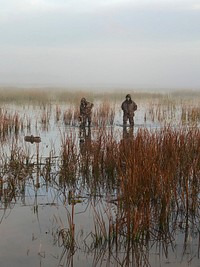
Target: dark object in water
{"points": [[32, 139]]}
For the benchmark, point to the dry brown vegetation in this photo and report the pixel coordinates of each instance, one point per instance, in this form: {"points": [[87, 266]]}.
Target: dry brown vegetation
{"points": [[150, 176], [73, 95]]}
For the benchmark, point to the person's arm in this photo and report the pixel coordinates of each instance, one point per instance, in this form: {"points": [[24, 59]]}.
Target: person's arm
{"points": [[135, 106], [88, 108], [90, 105]]}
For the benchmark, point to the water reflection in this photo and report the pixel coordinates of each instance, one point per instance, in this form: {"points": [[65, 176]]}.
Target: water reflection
{"points": [[160, 247], [85, 141], [85, 189], [128, 132]]}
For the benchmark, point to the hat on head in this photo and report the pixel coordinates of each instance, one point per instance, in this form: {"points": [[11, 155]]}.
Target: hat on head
{"points": [[128, 96]]}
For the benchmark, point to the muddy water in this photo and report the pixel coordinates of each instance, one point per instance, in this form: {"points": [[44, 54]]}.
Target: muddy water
{"points": [[32, 219]]}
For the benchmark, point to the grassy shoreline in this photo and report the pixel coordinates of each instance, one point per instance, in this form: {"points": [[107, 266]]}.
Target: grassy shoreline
{"points": [[73, 95]]}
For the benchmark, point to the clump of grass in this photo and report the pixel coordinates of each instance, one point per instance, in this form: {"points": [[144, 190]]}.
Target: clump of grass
{"points": [[157, 173], [156, 168], [66, 238], [67, 117], [68, 160], [104, 114], [194, 115], [10, 124], [76, 115], [153, 175], [45, 120], [14, 173], [58, 113]]}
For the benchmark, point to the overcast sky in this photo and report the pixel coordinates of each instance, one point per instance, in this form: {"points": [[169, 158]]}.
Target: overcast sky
{"points": [[137, 43]]}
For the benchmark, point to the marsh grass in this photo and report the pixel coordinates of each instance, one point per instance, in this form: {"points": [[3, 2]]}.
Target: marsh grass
{"points": [[159, 178], [173, 111], [150, 176], [73, 95], [10, 124], [68, 116], [71, 116], [104, 114], [68, 160], [58, 113], [157, 172], [66, 237], [19, 95], [76, 114], [15, 171]]}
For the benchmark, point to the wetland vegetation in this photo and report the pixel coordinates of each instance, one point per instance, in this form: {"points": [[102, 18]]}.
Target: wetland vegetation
{"points": [[99, 196]]}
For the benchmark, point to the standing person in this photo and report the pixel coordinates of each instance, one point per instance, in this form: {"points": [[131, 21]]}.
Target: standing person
{"points": [[128, 107], [85, 112]]}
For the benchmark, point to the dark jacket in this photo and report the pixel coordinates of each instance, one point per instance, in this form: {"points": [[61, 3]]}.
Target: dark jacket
{"points": [[129, 106], [86, 108]]}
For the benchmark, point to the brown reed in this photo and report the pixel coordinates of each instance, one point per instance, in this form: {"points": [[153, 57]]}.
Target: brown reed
{"points": [[104, 114], [10, 124], [68, 116], [58, 113], [155, 174], [157, 167], [45, 120], [68, 160]]}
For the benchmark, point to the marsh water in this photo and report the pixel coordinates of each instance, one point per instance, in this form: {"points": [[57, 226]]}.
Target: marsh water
{"points": [[53, 214]]}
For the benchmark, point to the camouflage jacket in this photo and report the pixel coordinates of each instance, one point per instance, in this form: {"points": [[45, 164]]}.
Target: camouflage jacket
{"points": [[86, 108], [129, 107]]}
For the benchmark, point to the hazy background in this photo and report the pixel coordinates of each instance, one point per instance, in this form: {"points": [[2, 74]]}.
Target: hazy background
{"points": [[100, 43]]}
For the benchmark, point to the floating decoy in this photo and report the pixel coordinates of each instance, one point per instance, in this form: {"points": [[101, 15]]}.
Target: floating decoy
{"points": [[32, 139]]}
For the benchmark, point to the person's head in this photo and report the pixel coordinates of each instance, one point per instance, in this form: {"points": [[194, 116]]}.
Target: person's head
{"points": [[83, 100], [128, 97]]}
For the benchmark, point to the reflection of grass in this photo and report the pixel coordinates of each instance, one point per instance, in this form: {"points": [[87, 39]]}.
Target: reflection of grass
{"points": [[160, 106], [151, 176], [15, 169], [158, 178], [175, 106]]}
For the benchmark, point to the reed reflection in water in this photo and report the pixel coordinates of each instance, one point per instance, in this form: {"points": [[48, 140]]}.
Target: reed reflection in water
{"points": [[104, 196]]}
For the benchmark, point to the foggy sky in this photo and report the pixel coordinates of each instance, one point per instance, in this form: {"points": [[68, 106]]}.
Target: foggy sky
{"points": [[141, 43]]}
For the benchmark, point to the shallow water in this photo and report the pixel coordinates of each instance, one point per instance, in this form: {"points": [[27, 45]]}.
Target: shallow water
{"points": [[31, 220]]}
